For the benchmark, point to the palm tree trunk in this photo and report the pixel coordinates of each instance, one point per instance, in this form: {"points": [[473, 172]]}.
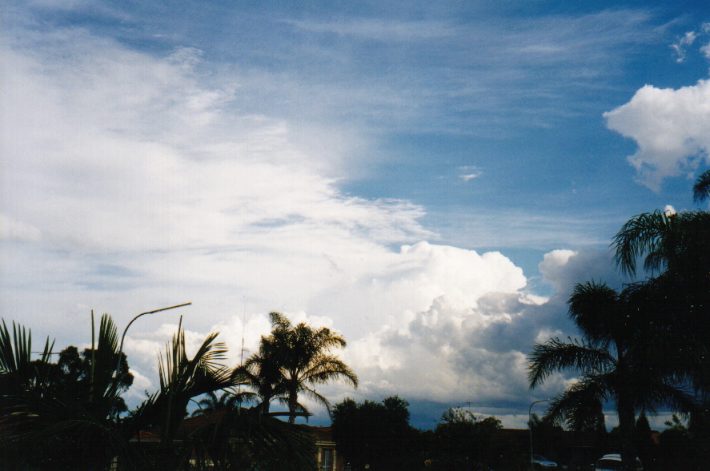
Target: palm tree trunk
{"points": [[291, 411], [292, 405], [627, 418], [265, 405]]}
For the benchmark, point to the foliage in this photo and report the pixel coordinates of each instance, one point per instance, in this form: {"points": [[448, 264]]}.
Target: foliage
{"points": [[262, 373], [701, 189], [547, 436], [461, 441], [292, 360], [613, 356], [67, 415], [69, 407], [73, 376], [640, 345], [211, 403], [181, 379], [244, 439], [675, 244], [376, 434]]}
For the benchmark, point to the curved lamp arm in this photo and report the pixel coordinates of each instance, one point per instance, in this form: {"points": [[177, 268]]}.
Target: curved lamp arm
{"points": [[123, 337]]}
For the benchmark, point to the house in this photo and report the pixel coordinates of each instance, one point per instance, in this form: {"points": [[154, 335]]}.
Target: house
{"points": [[327, 456]]}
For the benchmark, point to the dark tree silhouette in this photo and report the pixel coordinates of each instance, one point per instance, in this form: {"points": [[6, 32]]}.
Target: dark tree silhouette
{"points": [[376, 434], [304, 359], [615, 358], [701, 189]]}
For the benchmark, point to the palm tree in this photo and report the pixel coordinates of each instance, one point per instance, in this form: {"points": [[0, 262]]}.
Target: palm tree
{"points": [[674, 246], [615, 357], [212, 403], [669, 242], [182, 378], [672, 242], [262, 373], [701, 189], [303, 354]]}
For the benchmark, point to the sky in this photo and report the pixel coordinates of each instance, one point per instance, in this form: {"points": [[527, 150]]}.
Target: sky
{"points": [[429, 179]]}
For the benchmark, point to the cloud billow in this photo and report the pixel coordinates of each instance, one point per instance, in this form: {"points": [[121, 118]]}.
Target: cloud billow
{"points": [[671, 128]]}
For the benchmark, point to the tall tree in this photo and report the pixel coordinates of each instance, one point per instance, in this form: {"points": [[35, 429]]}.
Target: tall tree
{"points": [[674, 249], [303, 354], [376, 436], [462, 441], [615, 358]]}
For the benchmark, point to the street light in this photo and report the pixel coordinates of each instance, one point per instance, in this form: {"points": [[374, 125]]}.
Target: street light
{"points": [[120, 348], [532, 465]]}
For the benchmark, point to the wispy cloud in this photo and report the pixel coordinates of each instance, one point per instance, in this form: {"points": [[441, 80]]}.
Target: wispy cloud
{"points": [[680, 46], [468, 173], [379, 29], [451, 75]]}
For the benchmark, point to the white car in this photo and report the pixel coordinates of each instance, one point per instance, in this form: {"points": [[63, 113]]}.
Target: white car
{"points": [[612, 462], [540, 462]]}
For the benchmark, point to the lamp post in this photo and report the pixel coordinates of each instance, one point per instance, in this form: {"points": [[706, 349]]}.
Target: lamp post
{"points": [[532, 465], [123, 337]]}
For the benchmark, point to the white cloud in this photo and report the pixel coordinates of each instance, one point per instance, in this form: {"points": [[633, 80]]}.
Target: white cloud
{"points": [[671, 128], [140, 184], [12, 229], [467, 177], [469, 173], [470, 346], [141, 385], [669, 210], [706, 51], [680, 46]]}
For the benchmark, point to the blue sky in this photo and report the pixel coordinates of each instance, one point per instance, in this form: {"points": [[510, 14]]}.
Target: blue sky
{"points": [[429, 179]]}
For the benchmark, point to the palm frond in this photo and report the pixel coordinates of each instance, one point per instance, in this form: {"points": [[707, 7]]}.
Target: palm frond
{"points": [[642, 234], [666, 393], [325, 368], [555, 355], [580, 406], [701, 189], [325, 339], [279, 321], [319, 398], [15, 350], [593, 307], [18, 372], [182, 378]]}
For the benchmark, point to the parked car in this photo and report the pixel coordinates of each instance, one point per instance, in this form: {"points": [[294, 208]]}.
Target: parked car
{"points": [[540, 462], [612, 462]]}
